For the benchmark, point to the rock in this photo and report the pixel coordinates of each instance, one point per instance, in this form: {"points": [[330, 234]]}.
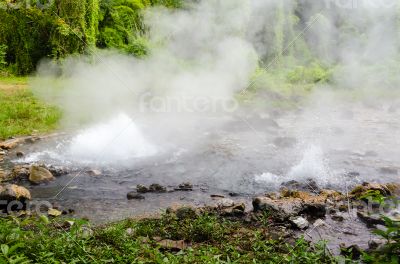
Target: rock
{"points": [[279, 209], [217, 196], [337, 217], [353, 251], [39, 174], [182, 211], [285, 142], [314, 210], [186, 186], [233, 194], [134, 196], [172, 244], [57, 170], [11, 143], [20, 154], [234, 210], [385, 190], [299, 222], [20, 172], [309, 185], [54, 212], [4, 176], [332, 195], [85, 232], [374, 244], [94, 172], [225, 202], [12, 192], [141, 188], [319, 222], [370, 220], [155, 187]]}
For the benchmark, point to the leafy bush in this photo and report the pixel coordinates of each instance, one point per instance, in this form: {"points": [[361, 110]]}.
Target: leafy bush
{"points": [[3, 53]]}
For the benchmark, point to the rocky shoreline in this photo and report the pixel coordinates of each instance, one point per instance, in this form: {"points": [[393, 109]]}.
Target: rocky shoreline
{"points": [[298, 208]]}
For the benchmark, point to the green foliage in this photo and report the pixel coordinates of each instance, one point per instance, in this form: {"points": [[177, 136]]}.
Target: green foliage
{"points": [[3, 53], [390, 252], [212, 240], [314, 73]]}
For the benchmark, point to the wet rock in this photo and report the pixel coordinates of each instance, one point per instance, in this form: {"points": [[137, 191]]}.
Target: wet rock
{"points": [[20, 172], [343, 207], [233, 194], [11, 143], [182, 211], [285, 142], [217, 196], [141, 188], [38, 174], [332, 195], [354, 251], [370, 220], [57, 170], [299, 222], [337, 218], [374, 244], [234, 210], [314, 210], [54, 212], [155, 187], [20, 154], [279, 209], [12, 192], [389, 170], [319, 222], [5, 176], [94, 172], [225, 202], [134, 196], [383, 189], [186, 186], [309, 185]]}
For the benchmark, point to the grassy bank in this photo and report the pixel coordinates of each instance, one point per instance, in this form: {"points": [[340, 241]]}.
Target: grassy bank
{"points": [[199, 239], [21, 113]]}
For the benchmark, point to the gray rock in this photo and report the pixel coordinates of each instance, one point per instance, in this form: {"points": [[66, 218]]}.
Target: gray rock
{"points": [[141, 188], [279, 209], [134, 196], [155, 187], [38, 174], [299, 222], [370, 220]]}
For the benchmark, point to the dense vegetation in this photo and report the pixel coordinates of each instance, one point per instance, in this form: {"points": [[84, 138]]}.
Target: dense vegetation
{"points": [[35, 30], [202, 239]]}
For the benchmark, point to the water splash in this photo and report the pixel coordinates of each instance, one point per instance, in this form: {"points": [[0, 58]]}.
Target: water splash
{"points": [[118, 139]]}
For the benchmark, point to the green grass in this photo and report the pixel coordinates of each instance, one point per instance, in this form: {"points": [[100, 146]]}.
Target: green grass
{"points": [[210, 240], [22, 114], [14, 80]]}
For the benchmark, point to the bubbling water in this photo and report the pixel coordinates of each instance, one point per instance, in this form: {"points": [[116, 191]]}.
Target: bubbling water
{"points": [[117, 139]]}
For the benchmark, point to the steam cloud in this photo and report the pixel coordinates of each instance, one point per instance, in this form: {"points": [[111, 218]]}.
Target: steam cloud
{"points": [[205, 53]]}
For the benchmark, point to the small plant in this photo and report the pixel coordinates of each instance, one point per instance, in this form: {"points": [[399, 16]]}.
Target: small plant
{"points": [[390, 252]]}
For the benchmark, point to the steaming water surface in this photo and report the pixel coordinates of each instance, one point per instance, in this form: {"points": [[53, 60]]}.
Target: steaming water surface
{"points": [[245, 158]]}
